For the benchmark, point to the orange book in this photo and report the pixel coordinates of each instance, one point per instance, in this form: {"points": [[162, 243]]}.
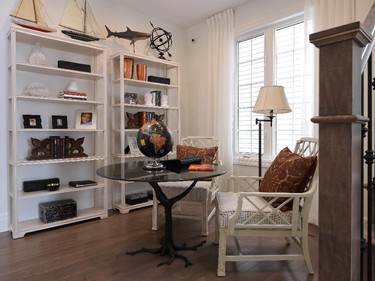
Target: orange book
{"points": [[201, 167]]}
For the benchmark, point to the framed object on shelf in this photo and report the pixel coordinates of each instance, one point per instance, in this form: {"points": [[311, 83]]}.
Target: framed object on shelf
{"points": [[86, 119], [133, 146], [59, 122], [32, 121]]}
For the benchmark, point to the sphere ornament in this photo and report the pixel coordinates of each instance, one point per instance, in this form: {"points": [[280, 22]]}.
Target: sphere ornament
{"points": [[154, 140], [161, 40]]}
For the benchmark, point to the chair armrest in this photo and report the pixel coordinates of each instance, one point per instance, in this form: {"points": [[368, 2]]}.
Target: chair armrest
{"points": [[244, 183], [261, 207]]}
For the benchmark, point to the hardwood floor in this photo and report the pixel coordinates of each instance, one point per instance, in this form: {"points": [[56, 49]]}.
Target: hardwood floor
{"points": [[96, 250]]}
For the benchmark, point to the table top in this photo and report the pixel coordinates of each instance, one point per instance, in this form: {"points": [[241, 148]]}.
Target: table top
{"points": [[133, 171]]}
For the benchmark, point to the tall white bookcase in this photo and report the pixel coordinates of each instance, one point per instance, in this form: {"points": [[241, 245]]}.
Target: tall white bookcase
{"points": [[91, 200], [122, 133]]}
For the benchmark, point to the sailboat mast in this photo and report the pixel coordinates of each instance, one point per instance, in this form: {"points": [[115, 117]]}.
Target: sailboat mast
{"points": [[35, 14], [84, 19]]}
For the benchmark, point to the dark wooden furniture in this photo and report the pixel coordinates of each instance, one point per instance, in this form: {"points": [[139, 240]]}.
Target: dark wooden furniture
{"points": [[133, 171]]}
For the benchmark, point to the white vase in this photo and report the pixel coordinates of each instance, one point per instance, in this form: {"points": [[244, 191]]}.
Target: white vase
{"points": [[38, 57], [148, 99], [164, 100]]}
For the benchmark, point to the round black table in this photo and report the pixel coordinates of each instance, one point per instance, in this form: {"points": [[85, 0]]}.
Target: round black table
{"points": [[134, 171]]}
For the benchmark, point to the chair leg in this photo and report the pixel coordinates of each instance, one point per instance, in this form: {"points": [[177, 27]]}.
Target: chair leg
{"points": [[154, 213], [216, 237], [306, 254], [204, 220], [222, 252]]}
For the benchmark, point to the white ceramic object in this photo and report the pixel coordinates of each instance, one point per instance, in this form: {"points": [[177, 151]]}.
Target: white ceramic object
{"points": [[72, 87], [38, 57]]}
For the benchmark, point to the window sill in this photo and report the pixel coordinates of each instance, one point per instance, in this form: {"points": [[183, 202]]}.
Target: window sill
{"points": [[251, 161]]}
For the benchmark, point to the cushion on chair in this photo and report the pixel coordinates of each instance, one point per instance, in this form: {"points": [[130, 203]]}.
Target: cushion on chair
{"points": [[208, 154], [289, 172], [227, 204], [199, 193]]}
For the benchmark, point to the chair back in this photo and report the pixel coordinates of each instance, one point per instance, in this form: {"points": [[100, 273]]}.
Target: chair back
{"points": [[202, 142], [309, 147]]}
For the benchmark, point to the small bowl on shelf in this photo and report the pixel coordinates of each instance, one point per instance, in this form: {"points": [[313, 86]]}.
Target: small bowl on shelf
{"points": [[53, 186], [131, 98]]}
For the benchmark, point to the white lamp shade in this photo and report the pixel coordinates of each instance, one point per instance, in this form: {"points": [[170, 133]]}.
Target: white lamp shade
{"points": [[271, 99]]}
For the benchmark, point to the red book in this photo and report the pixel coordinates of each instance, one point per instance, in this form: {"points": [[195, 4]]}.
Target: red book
{"points": [[201, 167]]}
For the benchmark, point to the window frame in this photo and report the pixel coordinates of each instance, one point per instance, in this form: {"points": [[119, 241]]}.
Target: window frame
{"points": [[268, 132]]}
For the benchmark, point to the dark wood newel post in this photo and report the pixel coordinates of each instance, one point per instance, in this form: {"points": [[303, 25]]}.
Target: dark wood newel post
{"points": [[340, 150]]}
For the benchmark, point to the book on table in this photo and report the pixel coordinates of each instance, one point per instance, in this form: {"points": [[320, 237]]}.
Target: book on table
{"points": [[204, 167]]}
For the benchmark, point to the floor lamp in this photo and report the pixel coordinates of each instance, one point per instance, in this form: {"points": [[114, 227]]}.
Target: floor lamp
{"points": [[271, 100]]}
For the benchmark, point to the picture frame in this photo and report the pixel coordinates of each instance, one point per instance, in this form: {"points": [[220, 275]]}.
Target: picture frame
{"points": [[59, 122], [86, 119], [133, 146], [32, 121]]}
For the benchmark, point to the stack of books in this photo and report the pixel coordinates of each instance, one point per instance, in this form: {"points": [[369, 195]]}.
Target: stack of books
{"points": [[72, 95]]}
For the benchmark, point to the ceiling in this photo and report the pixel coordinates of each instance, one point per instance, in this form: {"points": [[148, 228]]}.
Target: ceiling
{"points": [[185, 13]]}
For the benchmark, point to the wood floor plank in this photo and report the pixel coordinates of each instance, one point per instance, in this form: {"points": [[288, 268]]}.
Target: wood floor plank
{"points": [[96, 250]]}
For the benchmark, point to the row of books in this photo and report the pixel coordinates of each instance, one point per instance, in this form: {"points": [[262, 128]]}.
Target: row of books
{"points": [[145, 117], [59, 147], [72, 95], [156, 98]]}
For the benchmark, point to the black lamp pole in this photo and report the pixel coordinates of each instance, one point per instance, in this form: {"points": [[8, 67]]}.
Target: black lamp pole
{"points": [[259, 123]]}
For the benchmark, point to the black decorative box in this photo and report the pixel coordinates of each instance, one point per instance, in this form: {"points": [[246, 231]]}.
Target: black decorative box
{"points": [[35, 185], [157, 79], [73, 66], [136, 198], [57, 210]]}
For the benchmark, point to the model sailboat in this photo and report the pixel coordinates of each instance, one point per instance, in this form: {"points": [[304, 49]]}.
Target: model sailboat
{"points": [[29, 14], [80, 21]]}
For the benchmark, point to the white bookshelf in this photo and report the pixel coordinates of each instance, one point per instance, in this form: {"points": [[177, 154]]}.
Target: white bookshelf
{"points": [[92, 200]]}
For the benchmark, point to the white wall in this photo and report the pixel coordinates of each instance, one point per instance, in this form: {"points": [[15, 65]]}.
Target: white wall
{"points": [[116, 18]]}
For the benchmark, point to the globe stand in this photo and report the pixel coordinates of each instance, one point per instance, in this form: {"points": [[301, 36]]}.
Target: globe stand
{"points": [[154, 165]]}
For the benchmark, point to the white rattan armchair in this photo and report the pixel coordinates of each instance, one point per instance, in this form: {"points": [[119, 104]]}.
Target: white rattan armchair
{"points": [[201, 196], [244, 211]]}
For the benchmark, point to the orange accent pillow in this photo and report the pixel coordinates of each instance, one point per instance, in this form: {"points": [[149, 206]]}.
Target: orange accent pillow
{"points": [[208, 154], [289, 172]]}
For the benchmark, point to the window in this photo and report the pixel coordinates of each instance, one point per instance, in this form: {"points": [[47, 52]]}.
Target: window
{"points": [[273, 56]]}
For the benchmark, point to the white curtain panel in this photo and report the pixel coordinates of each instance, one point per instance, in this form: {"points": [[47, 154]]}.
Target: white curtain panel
{"points": [[220, 84], [331, 13], [325, 14]]}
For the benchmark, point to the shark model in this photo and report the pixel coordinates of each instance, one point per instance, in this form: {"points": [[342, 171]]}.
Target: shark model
{"points": [[129, 34]]}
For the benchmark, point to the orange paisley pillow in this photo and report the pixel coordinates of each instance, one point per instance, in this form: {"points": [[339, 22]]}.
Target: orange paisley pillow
{"points": [[208, 154], [289, 172]]}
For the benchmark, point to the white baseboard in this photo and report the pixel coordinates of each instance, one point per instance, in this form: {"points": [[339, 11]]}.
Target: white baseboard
{"points": [[4, 223]]}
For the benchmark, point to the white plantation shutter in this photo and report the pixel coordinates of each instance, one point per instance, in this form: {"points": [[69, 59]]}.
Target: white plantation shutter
{"points": [[288, 50], [250, 78], [290, 73]]}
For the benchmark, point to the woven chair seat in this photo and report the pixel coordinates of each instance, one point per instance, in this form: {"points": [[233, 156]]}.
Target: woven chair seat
{"points": [[250, 215], [199, 193]]}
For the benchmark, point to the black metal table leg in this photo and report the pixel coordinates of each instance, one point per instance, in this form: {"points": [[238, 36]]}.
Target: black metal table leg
{"points": [[167, 246]]}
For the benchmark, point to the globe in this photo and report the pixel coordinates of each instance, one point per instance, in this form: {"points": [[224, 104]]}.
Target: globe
{"points": [[154, 140]]}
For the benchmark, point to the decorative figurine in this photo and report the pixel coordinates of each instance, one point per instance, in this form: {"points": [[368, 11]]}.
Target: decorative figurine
{"points": [[80, 22], [31, 14], [148, 99], [161, 40], [129, 34], [72, 87], [38, 57]]}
